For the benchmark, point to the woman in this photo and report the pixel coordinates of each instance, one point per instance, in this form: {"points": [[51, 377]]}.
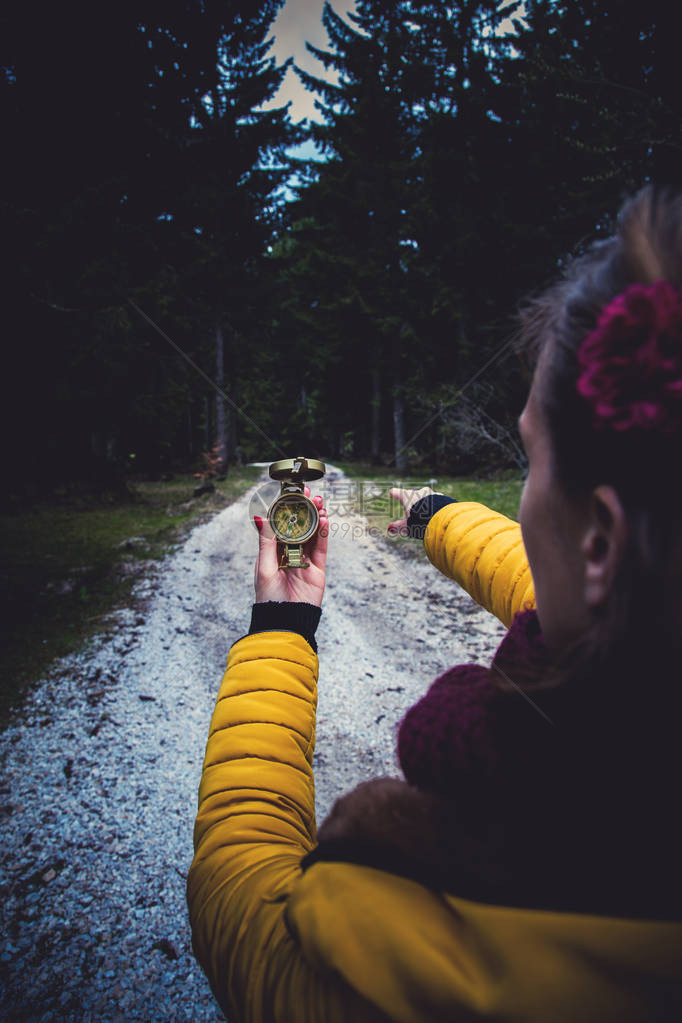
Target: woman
{"points": [[528, 868]]}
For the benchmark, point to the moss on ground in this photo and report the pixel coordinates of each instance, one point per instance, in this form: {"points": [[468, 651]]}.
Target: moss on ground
{"points": [[67, 561]]}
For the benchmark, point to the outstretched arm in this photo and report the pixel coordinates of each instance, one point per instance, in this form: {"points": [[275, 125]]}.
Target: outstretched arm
{"points": [[483, 551], [479, 548]]}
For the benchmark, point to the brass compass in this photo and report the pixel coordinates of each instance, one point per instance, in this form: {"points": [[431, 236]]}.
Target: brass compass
{"points": [[293, 516]]}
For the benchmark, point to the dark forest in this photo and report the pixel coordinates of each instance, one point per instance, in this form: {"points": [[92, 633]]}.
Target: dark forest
{"points": [[347, 304]]}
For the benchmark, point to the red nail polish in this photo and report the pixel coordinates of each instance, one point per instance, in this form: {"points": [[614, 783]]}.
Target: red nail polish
{"points": [[259, 522]]}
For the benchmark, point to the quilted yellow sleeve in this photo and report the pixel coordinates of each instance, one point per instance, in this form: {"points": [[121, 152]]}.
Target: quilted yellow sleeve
{"points": [[256, 820], [483, 551]]}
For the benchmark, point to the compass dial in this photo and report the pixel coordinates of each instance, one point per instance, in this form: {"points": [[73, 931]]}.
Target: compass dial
{"points": [[293, 518]]}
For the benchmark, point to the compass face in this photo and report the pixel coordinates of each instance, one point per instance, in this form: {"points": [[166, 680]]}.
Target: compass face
{"points": [[293, 518]]}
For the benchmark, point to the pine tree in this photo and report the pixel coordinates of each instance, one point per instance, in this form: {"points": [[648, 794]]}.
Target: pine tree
{"points": [[232, 166], [378, 225], [593, 112], [133, 145]]}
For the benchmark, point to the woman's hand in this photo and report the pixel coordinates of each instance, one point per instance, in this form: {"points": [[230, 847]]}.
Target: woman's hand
{"points": [[407, 499], [305, 585]]}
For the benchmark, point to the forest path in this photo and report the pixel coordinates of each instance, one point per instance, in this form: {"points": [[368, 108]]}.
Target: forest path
{"points": [[100, 774]]}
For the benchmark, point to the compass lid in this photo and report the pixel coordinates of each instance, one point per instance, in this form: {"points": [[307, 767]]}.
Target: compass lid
{"points": [[297, 469]]}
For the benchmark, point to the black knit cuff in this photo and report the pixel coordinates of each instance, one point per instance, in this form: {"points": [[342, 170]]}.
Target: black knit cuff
{"points": [[289, 616], [423, 510]]}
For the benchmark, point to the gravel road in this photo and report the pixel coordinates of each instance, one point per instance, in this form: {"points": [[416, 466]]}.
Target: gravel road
{"points": [[100, 769]]}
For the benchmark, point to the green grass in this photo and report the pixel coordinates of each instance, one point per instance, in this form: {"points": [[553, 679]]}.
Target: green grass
{"points": [[371, 486], [67, 562]]}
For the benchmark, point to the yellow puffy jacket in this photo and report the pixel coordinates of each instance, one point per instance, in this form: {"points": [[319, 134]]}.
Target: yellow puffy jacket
{"points": [[483, 551], [343, 942]]}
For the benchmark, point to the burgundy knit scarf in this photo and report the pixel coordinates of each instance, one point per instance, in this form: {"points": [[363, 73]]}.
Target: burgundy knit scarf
{"points": [[541, 799]]}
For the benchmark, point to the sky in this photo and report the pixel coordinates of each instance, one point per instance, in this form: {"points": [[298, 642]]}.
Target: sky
{"points": [[297, 22], [301, 20]]}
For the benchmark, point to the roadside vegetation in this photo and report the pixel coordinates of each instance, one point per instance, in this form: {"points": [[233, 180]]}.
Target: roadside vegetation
{"points": [[369, 487], [69, 559]]}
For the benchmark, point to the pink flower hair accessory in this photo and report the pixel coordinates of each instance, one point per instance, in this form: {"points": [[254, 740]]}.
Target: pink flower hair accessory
{"points": [[630, 365]]}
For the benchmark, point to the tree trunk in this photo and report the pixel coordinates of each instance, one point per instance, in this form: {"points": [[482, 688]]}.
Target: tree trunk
{"points": [[376, 417], [220, 418], [232, 435], [207, 423], [399, 428]]}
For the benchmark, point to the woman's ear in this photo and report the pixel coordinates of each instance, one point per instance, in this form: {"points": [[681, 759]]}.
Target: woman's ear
{"points": [[603, 544]]}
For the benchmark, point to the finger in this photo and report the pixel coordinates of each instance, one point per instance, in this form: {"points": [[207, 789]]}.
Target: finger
{"points": [[267, 551], [398, 528], [318, 501], [404, 496], [318, 552], [266, 533]]}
